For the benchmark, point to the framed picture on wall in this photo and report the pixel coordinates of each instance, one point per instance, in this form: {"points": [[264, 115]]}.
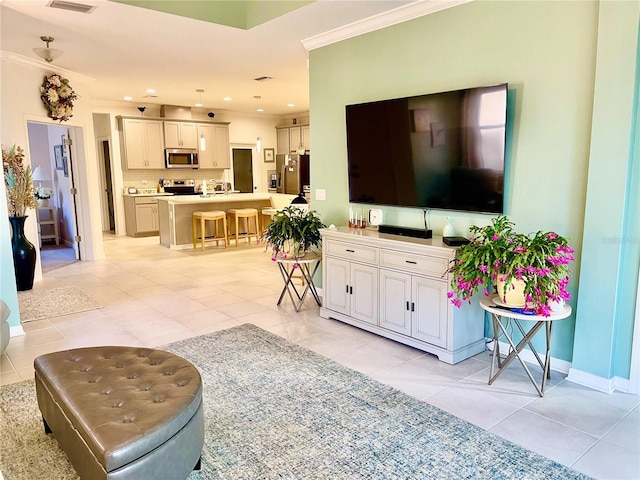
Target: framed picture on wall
{"points": [[269, 155], [66, 166], [59, 157]]}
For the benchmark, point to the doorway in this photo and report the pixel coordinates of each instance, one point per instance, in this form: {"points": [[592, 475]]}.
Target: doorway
{"points": [[108, 209], [243, 170], [50, 154]]}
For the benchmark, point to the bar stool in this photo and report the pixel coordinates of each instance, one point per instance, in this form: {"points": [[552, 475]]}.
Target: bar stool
{"points": [[267, 212], [215, 216], [235, 214]]}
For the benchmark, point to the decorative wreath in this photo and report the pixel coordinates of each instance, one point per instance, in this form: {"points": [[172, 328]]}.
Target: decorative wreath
{"points": [[58, 96]]}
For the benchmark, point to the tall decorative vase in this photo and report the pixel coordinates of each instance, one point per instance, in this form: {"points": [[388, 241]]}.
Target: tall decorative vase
{"points": [[24, 255]]}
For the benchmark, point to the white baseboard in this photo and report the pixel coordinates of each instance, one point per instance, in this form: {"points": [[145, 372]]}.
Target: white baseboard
{"points": [[606, 385], [16, 331], [601, 384]]}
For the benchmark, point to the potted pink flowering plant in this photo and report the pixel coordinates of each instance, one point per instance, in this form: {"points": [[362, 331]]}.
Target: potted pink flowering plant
{"points": [[497, 254]]}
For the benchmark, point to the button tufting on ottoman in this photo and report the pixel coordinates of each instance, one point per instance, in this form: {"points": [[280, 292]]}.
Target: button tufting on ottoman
{"points": [[123, 412]]}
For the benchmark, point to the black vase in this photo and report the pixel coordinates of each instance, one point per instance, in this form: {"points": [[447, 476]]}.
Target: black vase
{"points": [[24, 255]]}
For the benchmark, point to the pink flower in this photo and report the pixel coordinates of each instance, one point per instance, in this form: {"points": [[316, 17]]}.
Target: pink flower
{"points": [[551, 235], [495, 237], [483, 268], [456, 302]]}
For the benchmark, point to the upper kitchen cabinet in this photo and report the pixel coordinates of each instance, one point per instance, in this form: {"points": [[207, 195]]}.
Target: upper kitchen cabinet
{"points": [[216, 142], [142, 143], [291, 138], [180, 135]]}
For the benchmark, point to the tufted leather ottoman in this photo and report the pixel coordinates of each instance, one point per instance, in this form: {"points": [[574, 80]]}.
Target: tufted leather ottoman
{"points": [[123, 412]]}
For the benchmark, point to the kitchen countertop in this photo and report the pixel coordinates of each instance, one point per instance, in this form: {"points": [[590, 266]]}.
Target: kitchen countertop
{"points": [[215, 198], [147, 194]]}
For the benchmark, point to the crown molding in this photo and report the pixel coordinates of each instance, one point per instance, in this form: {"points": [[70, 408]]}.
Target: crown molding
{"points": [[407, 12], [46, 68]]}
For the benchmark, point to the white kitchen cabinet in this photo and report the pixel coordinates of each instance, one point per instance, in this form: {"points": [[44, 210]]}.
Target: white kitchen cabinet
{"points": [[295, 136], [216, 153], [283, 140], [410, 293], [141, 215], [142, 143], [351, 287], [291, 138], [306, 137], [180, 134]]}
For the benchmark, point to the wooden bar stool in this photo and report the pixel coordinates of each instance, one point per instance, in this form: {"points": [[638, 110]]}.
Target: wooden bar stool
{"points": [[267, 215], [247, 214], [201, 219]]}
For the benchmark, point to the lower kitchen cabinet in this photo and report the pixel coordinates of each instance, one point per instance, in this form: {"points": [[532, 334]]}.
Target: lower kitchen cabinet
{"points": [[397, 288], [141, 216]]}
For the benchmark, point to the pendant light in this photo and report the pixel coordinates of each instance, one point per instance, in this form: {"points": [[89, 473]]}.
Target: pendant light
{"points": [[258, 109], [47, 54], [203, 141]]}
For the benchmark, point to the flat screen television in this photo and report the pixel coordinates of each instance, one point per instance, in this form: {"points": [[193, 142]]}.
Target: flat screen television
{"points": [[442, 150]]}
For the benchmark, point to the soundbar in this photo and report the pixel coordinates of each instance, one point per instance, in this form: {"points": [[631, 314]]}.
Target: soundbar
{"points": [[405, 232]]}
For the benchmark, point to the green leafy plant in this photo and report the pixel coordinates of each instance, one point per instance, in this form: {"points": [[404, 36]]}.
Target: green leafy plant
{"points": [[292, 233], [498, 252], [19, 182]]}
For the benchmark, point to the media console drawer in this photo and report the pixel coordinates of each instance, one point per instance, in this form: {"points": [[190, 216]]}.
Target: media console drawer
{"points": [[410, 262], [350, 251]]}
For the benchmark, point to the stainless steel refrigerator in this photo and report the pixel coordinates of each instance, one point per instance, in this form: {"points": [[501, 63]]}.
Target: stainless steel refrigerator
{"points": [[293, 173]]}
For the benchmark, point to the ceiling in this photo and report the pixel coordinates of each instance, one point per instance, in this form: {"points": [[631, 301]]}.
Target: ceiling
{"points": [[126, 49]]}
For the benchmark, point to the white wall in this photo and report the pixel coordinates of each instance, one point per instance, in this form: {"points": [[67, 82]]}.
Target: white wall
{"points": [[19, 91]]}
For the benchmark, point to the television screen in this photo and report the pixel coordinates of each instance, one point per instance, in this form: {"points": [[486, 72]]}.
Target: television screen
{"points": [[442, 150]]}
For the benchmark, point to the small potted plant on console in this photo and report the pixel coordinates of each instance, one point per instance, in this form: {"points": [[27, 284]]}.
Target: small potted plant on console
{"points": [[530, 271]]}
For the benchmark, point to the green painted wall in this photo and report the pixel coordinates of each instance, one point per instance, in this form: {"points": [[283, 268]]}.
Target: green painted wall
{"points": [[547, 53], [243, 14], [611, 245]]}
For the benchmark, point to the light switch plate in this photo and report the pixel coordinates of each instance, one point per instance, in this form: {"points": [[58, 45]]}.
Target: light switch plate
{"points": [[321, 194], [375, 216]]}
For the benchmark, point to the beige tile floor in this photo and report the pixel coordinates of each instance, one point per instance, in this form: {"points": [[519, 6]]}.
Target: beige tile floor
{"points": [[153, 296]]}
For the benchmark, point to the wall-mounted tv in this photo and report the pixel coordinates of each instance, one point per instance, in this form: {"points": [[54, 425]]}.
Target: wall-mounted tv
{"points": [[442, 150]]}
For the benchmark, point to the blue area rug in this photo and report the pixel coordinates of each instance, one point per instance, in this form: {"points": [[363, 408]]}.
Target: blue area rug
{"points": [[274, 410]]}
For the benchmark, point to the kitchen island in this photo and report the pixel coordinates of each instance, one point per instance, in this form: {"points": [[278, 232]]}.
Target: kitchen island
{"points": [[175, 212]]}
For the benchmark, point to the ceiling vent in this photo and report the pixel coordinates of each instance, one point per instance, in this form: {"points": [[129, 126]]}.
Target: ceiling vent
{"points": [[262, 79], [74, 7]]}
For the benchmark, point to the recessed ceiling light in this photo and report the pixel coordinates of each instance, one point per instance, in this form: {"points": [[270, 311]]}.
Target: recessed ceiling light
{"points": [[291, 105], [151, 90], [260, 110], [128, 99], [227, 99]]}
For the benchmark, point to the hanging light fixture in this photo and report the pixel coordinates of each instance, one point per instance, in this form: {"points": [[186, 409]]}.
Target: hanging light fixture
{"points": [[258, 109], [200, 91], [202, 140], [47, 54]]}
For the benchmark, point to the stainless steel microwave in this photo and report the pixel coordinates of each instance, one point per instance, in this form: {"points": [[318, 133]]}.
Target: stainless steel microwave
{"points": [[181, 158]]}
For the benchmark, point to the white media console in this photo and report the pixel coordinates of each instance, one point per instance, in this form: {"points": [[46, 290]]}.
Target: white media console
{"points": [[396, 287]]}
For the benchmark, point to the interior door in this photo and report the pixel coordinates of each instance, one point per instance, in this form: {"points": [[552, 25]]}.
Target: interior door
{"points": [[68, 164], [243, 170], [108, 185]]}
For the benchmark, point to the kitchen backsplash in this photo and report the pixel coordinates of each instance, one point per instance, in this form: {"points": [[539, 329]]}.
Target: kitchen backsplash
{"points": [[137, 178]]}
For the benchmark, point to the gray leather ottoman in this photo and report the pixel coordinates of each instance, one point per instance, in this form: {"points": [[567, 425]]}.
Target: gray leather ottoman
{"points": [[123, 412]]}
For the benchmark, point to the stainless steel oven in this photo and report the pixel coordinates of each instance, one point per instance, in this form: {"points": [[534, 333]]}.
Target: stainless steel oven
{"points": [[181, 158]]}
